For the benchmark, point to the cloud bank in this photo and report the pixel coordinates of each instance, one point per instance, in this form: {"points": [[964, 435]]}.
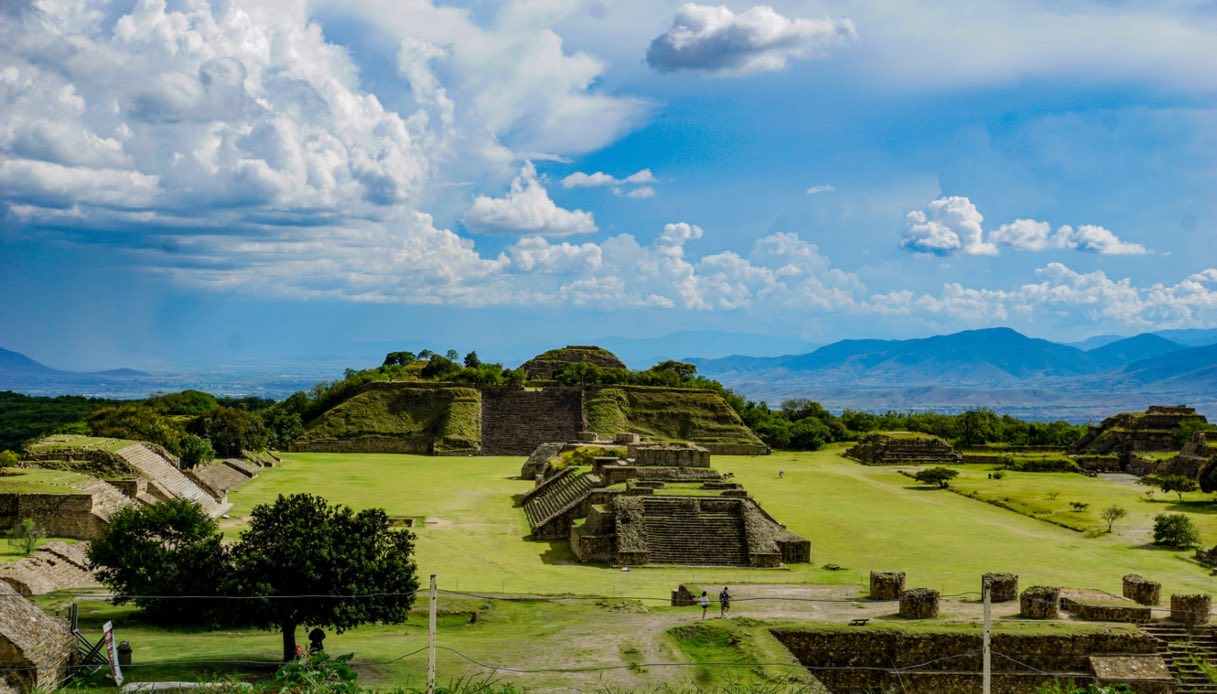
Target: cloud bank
{"points": [[716, 41], [526, 209]]}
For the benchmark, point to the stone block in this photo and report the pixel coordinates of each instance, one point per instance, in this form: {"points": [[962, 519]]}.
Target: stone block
{"points": [[1142, 590], [627, 438], [1040, 602], [683, 597], [1192, 610], [919, 603], [1003, 587], [587, 437], [886, 585]]}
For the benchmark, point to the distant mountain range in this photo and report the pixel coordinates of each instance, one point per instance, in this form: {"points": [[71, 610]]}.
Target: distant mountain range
{"points": [[996, 367]]}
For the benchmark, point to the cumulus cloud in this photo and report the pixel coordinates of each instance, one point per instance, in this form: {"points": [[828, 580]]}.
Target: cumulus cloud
{"points": [[953, 224], [948, 225], [717, 41], [600, 179], [526, 209], [824, 188]]}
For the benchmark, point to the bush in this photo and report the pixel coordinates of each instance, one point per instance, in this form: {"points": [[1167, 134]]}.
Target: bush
{"points": [[1175, 530], [940, 476], [25, 535], [230, 431], [138, 423], [9, 459]]}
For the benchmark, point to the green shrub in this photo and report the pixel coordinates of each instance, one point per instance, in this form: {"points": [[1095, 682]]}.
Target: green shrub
{"points": [[1175, 530]]}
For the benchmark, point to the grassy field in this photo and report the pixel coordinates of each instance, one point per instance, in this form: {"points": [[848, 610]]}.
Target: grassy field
{"points": [[858, 517], [40, 481]]}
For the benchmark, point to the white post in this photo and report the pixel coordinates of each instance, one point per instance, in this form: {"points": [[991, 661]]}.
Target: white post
{"points": [[431, 641], [988, 672]]}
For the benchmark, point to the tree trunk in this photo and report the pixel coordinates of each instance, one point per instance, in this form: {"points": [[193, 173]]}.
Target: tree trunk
{"points": [[289, 641]]}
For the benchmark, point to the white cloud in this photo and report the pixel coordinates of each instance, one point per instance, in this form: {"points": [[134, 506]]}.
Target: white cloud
{"points": [[599, 179], [715, 40], [824, 188], [1095, 239], [953, 224], [527, 209], [639, 193], [948, 225]]}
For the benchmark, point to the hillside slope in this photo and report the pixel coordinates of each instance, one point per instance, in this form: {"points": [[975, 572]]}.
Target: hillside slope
{"points": [[670, 414], [399, 418]]}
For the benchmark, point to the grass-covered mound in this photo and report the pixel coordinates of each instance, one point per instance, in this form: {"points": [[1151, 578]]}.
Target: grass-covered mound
{"points": [[546, 365], [671, 414], [386, 417]]}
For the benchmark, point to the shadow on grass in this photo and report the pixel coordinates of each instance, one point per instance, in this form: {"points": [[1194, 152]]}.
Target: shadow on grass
{"points": [[1206, 506], [558, 552]]}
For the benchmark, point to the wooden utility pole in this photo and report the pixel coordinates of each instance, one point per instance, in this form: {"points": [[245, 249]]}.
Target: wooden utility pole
{"points": [[431, 641], [988, 665]]}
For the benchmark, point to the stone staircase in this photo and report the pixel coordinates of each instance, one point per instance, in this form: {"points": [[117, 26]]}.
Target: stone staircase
{"points": [[515, 421], [678, 532], [1180, 648], [55, 566], [556, 497], [169, 478]]}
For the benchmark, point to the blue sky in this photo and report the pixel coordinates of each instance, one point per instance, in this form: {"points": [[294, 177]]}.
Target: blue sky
{"points": [[244, 181]]}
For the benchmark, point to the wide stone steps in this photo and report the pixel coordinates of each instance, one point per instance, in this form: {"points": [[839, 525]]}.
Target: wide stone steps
{"points": [[1181, 649], [704, 538], [169, 477], [557, 498], [515, 422]]}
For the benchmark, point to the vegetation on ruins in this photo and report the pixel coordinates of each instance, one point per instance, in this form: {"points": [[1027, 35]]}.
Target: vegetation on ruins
{"points": [[195, 450], [8, 458], [1179, 484], [940, 476], [1175, 530], [136, 422], [1113, 514], [230, 430], [25, 535], [1188, 428]]}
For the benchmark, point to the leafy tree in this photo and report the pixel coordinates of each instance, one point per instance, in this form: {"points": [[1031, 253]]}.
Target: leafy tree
{"points": [[230, 430], [682, 370], [25, 535], [439, 367], [1112, 514], [282, 426], [514, 377], [8, 459], [399, 358], [579, 373], [472, 361], [195, 450], [171, 548], [977, 427], [1175, 530], [300, 545], [808, 434], [452, 355], [940, 476], [131, 421], [1174, 483]]}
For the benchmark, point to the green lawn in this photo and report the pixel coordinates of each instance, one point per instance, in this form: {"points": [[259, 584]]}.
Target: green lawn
{"points": [[79, 441], [21, 480]]}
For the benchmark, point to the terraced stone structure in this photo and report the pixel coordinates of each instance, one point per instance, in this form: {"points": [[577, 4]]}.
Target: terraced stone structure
{"points": [[666, 506], [35, 648], [55, 566], [1130, 432], [1098, 606], [903, 448]]}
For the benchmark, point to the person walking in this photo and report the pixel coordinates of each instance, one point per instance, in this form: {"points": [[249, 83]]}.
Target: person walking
{"points": [[704, 601], [724, 603]]}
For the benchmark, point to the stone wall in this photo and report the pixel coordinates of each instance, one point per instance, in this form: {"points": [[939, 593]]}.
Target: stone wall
{"points": [[1003, 587], [862, 660], [919, 603], [55, 566], [903, 449], [1142, 590], [35, 648], [1040, 602], [669, 455], [1192, 610], [63, 515], [886, 585]]}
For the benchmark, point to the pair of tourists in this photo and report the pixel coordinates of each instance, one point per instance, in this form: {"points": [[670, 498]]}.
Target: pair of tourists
{"points": [[724, 603]]}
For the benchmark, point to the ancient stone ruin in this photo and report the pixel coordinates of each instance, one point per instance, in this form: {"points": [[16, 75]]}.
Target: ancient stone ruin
{"points": [[903, 448], [1040, 602], [1003, 587], [1142, 590], [886, 585], [546, 365], [55, 566], [919, 603], [35, 648], [1098, 606], [646, 503], [1130, 432], [1191, 610]]}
